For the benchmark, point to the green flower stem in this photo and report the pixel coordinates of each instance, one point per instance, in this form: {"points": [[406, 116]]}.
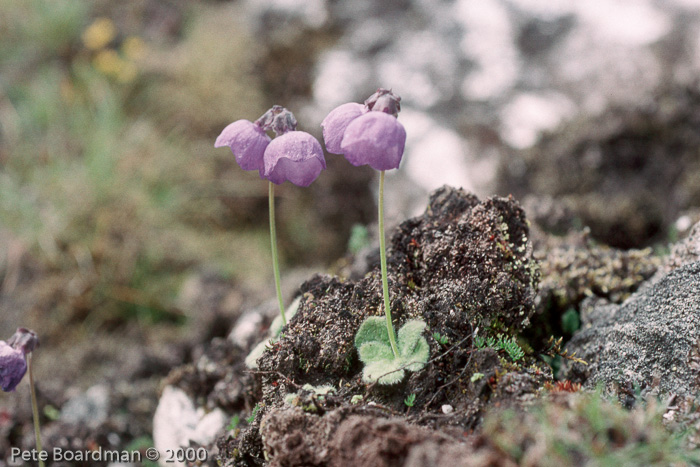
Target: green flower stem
{"points": [[35, 408], [275, 260], [385, 281]]}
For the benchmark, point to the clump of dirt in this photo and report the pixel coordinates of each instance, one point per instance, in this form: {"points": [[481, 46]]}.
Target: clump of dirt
{"points": [[475, 403], [563, 428], [627, 173], [465, 267], [345, 436]]}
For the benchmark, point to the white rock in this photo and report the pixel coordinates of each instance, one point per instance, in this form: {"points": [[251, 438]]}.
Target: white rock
{"points": [[246, 328], [447, 408], [90, 408], [177, 422]]}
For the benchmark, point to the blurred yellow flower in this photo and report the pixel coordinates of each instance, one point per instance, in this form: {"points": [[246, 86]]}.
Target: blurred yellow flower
{"points": [[108, 62], [100, 33], [133, 48]]}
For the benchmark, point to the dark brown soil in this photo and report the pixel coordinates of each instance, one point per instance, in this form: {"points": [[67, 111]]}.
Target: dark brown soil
{"points": [[465, 267]]}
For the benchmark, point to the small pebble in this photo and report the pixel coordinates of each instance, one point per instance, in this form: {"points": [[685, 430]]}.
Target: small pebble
{"points": [[447, 408]]}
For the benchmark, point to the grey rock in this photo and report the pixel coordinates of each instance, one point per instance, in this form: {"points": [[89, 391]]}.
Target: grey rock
{"points": [[647, 341]]}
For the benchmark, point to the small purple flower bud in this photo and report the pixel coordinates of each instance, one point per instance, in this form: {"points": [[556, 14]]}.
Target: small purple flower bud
{"points": [[247, 141], [384, 101], [336, 122], [25, 340], [295, 156], [376, 139], [13, 366]]}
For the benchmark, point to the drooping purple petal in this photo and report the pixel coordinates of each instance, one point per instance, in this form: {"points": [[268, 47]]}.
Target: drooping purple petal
{"points": [[296, 157], [12, 366], [247, 142], [376, 139], [336, 122]]}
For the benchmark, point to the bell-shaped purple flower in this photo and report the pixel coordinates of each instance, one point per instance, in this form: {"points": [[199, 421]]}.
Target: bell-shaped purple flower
{"points": [[13, 366], [247, 141], [295, 156], [367, 134], [376, 139], [336, 122]]}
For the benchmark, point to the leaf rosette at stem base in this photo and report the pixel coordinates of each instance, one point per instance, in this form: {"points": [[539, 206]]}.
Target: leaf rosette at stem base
{"points": [[374, 348]]}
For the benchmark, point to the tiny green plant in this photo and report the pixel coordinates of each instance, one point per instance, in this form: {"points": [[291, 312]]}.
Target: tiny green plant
{"points": [[253, 414], [570, 321], [233, 424], [370, 134], [359, 239], [375, 350], [440, 339], [481, 342], [507, 344], [410, 400], [514, 351]]}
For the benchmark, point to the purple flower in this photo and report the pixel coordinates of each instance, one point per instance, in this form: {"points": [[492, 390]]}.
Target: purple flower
{"points": [[295, 156], [13, 366], [376, 139], [367, 135], [247, 141], [336, 122]]}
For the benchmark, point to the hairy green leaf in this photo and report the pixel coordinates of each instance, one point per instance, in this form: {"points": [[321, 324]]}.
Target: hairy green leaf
{"points": [[409, 335], [372, 329], [385, 372], [416, 360], [374, 351]]}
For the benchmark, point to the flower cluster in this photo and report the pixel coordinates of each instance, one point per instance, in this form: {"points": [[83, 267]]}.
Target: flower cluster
{"points": [[368, 134], [13, 357], [293, 156]]}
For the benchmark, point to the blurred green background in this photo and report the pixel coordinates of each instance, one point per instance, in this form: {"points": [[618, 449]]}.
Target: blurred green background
{"points": [[111, 192]]}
